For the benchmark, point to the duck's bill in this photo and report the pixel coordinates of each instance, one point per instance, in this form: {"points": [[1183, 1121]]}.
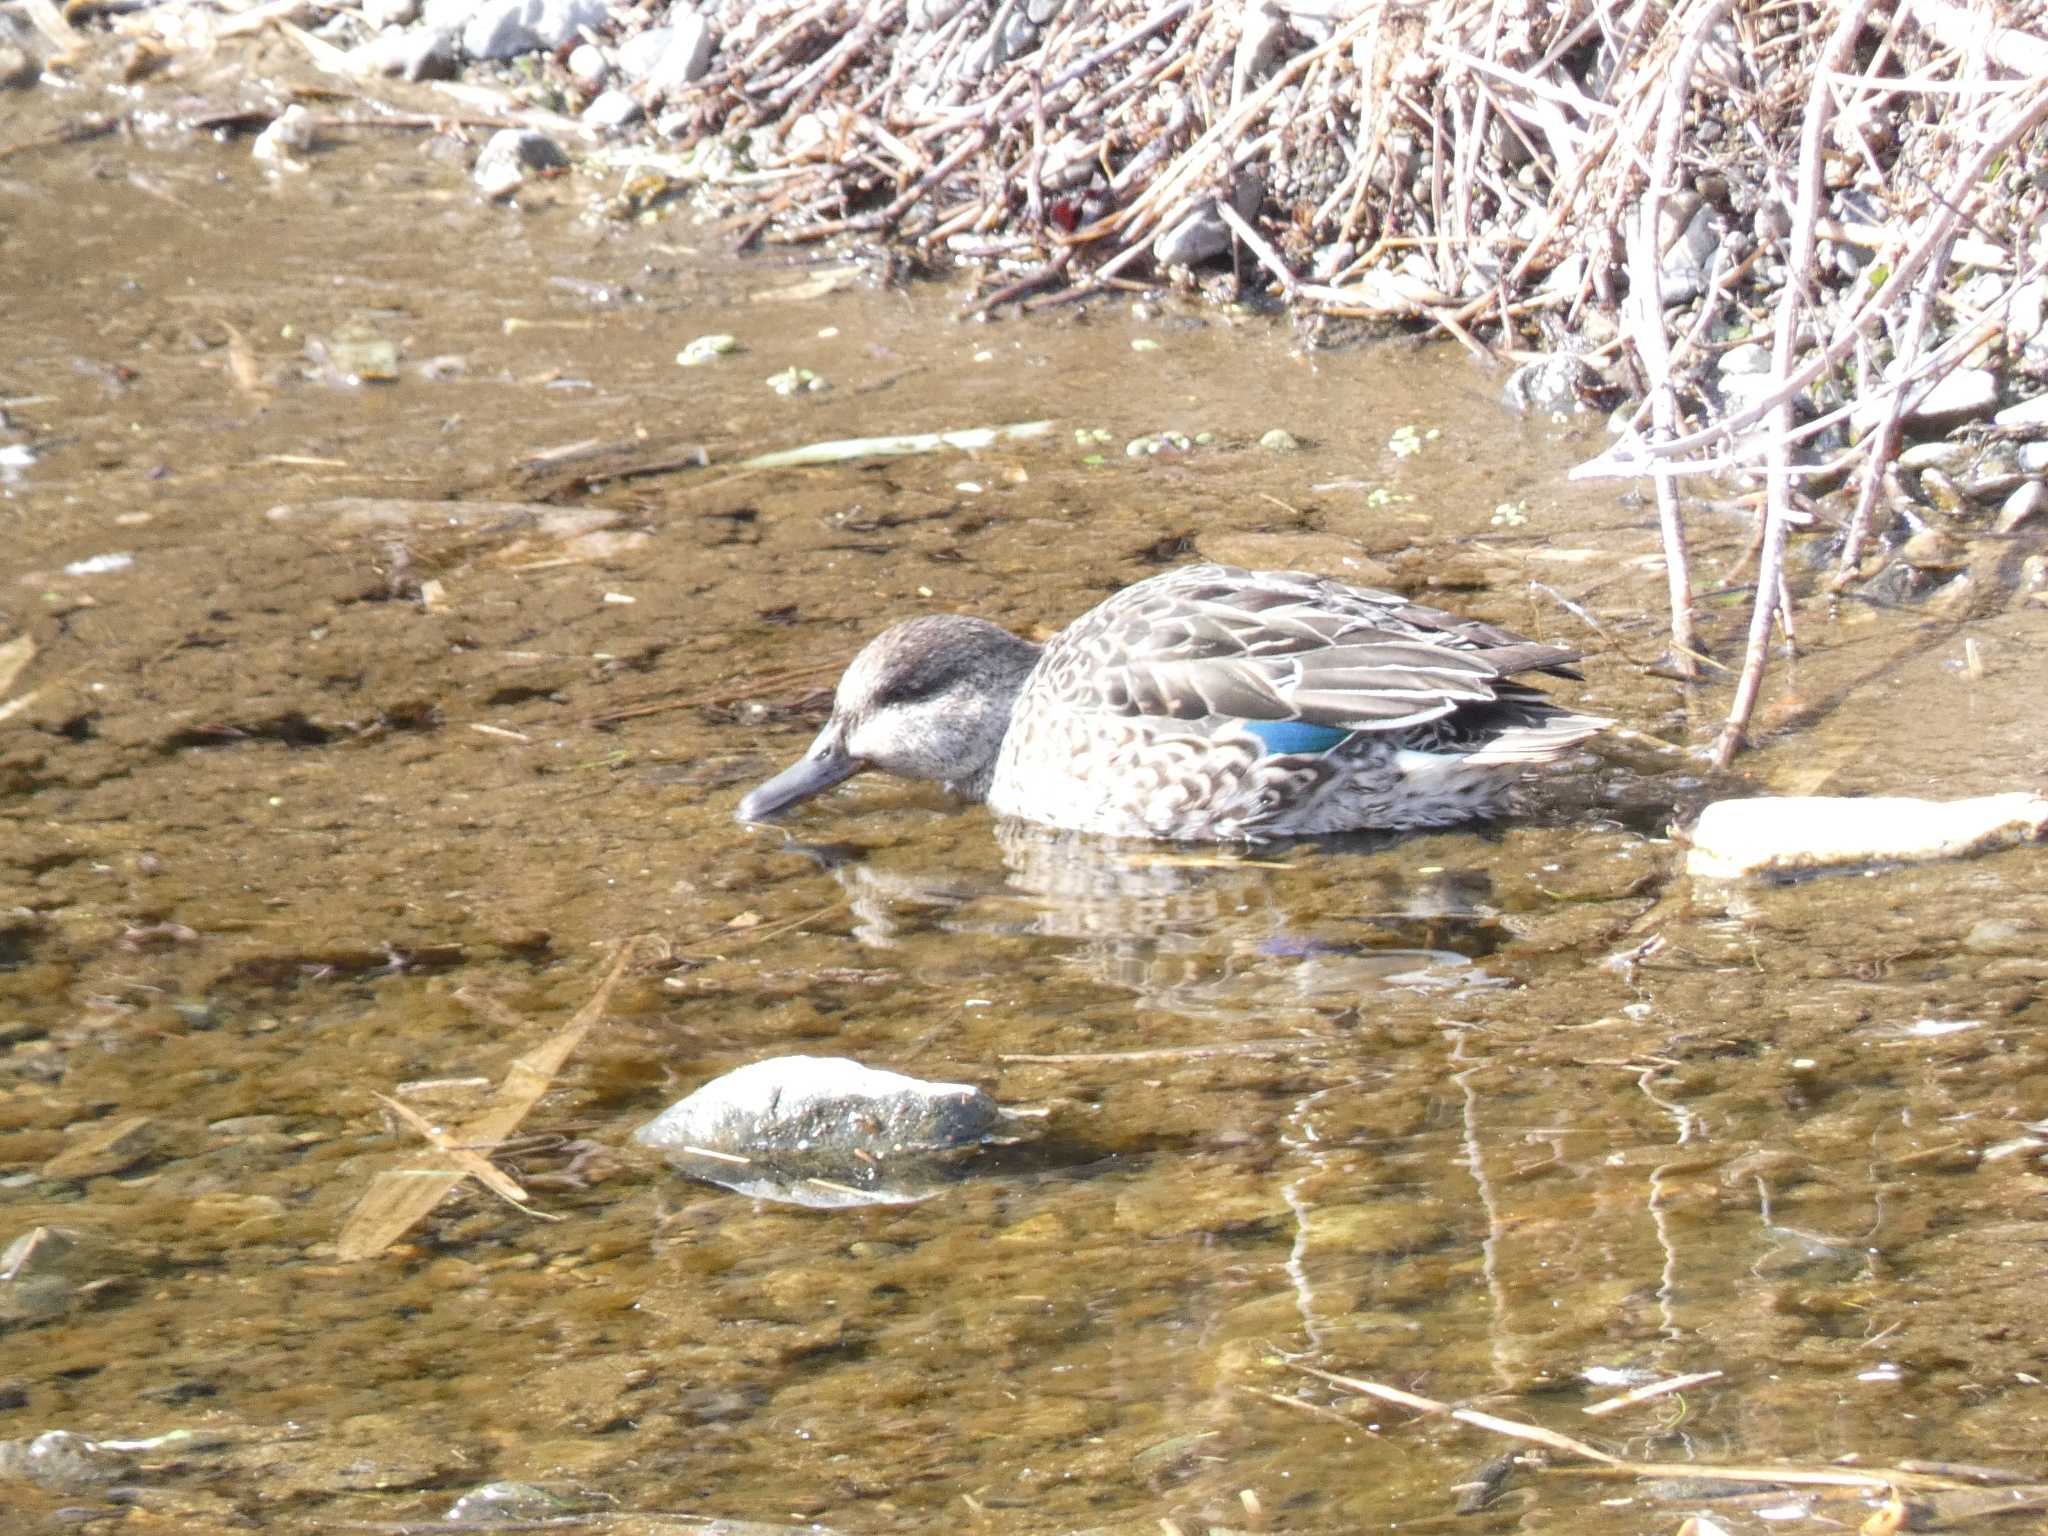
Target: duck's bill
{"points": [[826, 764]]}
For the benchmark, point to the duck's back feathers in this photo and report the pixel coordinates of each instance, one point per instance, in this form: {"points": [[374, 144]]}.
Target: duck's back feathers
{"points": [[1211, 702], [1282, 645]]}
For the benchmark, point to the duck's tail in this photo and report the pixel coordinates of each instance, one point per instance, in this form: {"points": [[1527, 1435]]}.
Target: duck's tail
{"points": [[1532, 741]]}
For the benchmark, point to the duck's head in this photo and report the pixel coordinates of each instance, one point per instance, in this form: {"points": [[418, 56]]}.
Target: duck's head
{"points": [[927, 699]]}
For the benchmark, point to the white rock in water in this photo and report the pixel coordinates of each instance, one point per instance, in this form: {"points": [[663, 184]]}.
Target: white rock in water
{"points": [[825, 1104], [1794, 833]]}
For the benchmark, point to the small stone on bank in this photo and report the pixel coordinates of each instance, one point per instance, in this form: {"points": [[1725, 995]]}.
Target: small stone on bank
{"points": [[685, 55], [613, 109], [416, 53], [2031, 412], [2023, 506], [511, 155], [1549, 384]]}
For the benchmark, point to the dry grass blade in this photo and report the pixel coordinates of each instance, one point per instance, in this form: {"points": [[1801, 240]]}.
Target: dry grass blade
{"points": [[468, 1159], [1648, 1392], [1875, 1479], [396, 1199]]}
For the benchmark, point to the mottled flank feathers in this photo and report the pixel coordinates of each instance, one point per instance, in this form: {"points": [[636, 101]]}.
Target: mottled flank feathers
{"points": [[1204, 703]]}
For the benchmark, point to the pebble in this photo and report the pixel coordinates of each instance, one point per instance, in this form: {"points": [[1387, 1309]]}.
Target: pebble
{"points": [[2032, 412], [613, 109], [1750, 357], [1549, 384], [390, 13], [105, 1148], [510, 155], [686, 57], [1687, 262], [1202, 233], [638, 54], [1194, 239], [586, 64], [1279, 440], [1960, 395], [290, 134], [2034, 458], [415, 53], [2023, 506], [1943, 455], [17, 70], [504, 29], [60, 1461]]}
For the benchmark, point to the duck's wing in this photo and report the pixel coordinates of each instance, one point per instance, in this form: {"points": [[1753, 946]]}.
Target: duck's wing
{"points": [[1286, 645]]}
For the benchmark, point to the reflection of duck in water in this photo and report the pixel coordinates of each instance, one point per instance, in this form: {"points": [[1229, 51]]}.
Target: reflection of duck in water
{"points": [[1226, 935], [1220, 934], [1203, 703]]}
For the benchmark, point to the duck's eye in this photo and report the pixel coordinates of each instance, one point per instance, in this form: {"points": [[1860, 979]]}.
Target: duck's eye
{"points": [[911, 688]]}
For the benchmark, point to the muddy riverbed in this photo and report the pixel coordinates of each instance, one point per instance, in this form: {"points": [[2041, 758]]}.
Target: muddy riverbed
{"points": [[366, 719]]}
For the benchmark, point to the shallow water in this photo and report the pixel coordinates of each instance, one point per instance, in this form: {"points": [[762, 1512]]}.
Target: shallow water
{"points": [[298, 795]]}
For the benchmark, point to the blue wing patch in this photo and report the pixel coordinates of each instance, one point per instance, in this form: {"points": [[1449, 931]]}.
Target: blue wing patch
{"points": [[1294, 735]]}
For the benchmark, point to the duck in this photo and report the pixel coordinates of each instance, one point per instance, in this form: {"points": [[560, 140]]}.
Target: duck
{"points": [[1203, 704]]}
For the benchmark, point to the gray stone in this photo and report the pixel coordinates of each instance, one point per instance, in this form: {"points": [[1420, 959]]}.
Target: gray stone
{"points": [[1691, 256], [1750, 357], [1938, 455], [390, 13], [1197, 237], [504, 29], [17, 70], [290, 134], [1042, 11], [448, 13], [61, 1462], [821, 1104], [1993, 474], [638, 54], [613, 109], [1202, 233], [500, 30], [1020, 35], [1549, 384], [1959, 396], [687, 56], [415, 53], [561, 22], [2031, 412], [511, 155], [2023, 506]]}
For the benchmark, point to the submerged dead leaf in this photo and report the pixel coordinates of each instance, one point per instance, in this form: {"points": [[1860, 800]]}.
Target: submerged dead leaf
{"points": [[399, 1197]]}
